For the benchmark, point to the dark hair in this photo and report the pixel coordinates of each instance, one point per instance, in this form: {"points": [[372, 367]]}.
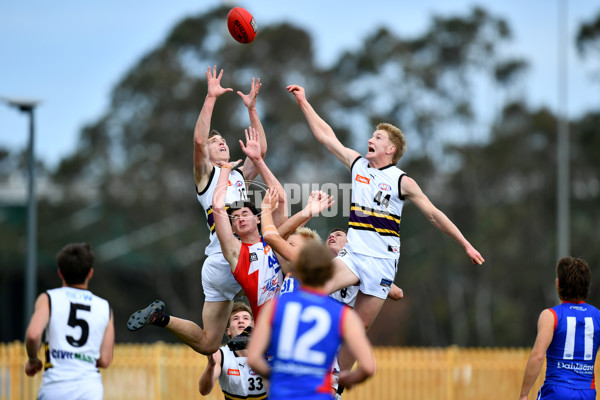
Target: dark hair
{"points": [[337, 230], [239, 204], [75, 261], [213, 133], [574, 278], [238, 306], [314, 266]]}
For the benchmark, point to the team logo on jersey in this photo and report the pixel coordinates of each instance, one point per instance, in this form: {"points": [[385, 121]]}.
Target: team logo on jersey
{"points": [[342, 253], [231, 371], [253, 257], [362, 179], [385, 187], [578, 308], [239, 183]]}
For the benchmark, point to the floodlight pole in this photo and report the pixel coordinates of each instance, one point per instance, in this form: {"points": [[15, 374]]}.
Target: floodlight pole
{"points": [[563, 152], [28, 106]]}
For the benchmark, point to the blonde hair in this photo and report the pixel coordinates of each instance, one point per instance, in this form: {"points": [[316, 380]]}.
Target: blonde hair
{"points": [[307, 233], [396, 137]]}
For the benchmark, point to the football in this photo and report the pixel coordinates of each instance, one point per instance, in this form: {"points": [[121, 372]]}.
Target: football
{"points": [[241, 25]]}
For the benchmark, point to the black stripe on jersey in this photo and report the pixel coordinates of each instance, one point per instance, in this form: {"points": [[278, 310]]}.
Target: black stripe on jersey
{"points": [[386, 167], [222, 358], [400, 187], [229, 396], [239, 169], [374, 211], [370, 228], [354, 162], [210, 178]]}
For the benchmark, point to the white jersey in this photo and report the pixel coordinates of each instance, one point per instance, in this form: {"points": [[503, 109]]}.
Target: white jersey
{"points": [[236, 190], [237, 380], [374, 224], [78, 321]]}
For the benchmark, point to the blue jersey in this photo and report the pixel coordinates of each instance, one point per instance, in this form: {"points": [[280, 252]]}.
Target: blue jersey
{"points": [[306, 336], [571, 355]]}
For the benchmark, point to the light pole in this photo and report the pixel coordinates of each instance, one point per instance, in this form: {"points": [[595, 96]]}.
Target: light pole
{"points": [[563, 184], [27, 106]]}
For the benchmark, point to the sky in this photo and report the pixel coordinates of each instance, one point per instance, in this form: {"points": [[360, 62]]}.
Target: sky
{"points": [[70, 55]]}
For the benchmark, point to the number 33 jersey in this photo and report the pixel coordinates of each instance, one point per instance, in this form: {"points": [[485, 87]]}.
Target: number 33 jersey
{"points": [[307, 332], [572, 352], [78, 320], [376, 209]]}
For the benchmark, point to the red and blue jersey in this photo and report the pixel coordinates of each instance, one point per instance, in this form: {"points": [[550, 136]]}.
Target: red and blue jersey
{"points": [[306, 336], [572, 353]]}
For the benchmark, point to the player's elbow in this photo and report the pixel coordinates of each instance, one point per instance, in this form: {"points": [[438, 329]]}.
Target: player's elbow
{"points": [[204, 389], [369, 368], [104, 361]]}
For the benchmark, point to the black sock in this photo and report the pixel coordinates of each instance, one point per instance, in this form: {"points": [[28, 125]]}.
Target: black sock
{"points": [[161, 321], [340, 390]]}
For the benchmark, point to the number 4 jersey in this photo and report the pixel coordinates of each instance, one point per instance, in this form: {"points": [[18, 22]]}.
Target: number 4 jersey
{"points": [[78, 320], [572, 352], [374, 224]]}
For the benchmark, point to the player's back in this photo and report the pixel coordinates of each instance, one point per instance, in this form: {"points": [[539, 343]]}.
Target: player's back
{"points": [[307, 333], [78, 321], [572, 352]]}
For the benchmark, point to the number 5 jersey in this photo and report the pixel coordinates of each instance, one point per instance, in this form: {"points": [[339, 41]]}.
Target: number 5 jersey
{"points": [[78, 320]]}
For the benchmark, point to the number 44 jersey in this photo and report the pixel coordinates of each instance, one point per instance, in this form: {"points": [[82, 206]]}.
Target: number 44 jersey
{"points": [[572, 352], [78, 320]]}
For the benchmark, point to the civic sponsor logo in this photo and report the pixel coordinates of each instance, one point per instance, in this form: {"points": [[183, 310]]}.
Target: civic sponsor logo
{"points": [[385, 187], [362, 179], [69, 355]]}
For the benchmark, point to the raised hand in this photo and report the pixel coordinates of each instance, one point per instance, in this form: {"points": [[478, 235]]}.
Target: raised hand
{"points": [[297, 91], [317, 202], [270, 201], [252, 147], [250, 98], [214, 83]]}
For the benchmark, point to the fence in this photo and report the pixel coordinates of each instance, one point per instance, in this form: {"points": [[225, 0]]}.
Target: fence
{"points": [[171, 371]]}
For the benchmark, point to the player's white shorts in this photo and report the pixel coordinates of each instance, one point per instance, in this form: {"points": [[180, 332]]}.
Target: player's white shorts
{"points": [[80, 389], [218, 282], [376, 274], [346, 295]]}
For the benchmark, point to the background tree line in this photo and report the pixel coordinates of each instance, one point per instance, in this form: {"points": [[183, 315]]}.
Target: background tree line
{"points": [[128, 186]]}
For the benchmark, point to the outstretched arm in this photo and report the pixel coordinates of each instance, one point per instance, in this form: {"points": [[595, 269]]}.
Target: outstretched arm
{"points": [[230, 245], [33, 335], [538, 353], [322, 131], [413, 192], [252, 150], [210, 374], [249, 100], [318, 201], [202, 165]]}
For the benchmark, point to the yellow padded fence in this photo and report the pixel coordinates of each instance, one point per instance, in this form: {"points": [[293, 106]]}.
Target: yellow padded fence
{"points": [[171, 371]]}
